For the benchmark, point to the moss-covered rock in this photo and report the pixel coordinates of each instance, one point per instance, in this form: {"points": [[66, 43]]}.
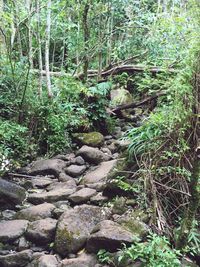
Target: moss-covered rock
{"points": [[94, 139]]}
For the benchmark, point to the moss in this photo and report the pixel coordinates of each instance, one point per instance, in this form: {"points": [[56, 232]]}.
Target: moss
{"points": [[64, 238], [136, 227], [94, 139]]}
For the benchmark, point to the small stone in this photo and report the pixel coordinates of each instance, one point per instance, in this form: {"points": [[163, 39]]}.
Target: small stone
{"points": [[82, 195], [36, 212], [41, 182], [8, 214], [23, 244], [79, 160], [98, 199], [41, 231], [75, 170], [11, 230], [63, 177]]}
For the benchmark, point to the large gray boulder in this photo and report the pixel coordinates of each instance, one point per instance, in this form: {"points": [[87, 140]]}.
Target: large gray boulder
{"points": [[75, 226], [45, 261], [101, 173], [108, 235], [41, 231], [47, 166], [38, 212], [11, 230], [84, 260], [92, 155], [10, 193], [16, 259]]}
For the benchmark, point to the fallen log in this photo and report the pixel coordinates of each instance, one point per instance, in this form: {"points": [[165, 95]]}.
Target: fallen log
{"points": [[113, 71], [139, 103]]}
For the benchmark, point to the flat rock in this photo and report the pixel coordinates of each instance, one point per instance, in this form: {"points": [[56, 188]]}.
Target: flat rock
{"points": [[51, 196], [69, 184], [84, 260], [11, 230], [41, 182], [10, 193], [38, 212], [108, 235], [41, 231], [47, 166], [101, 173], [94, 139], [74, 227], [92, 155], [82, 195], [75, 170], [16, 259]]}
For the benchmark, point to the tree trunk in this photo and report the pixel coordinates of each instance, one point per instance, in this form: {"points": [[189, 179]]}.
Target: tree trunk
{"points": [[47, 45], [39, 48], [86, 39]]}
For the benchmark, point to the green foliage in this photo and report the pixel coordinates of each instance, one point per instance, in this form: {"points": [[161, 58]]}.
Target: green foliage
{"points": [[155, 252], [13, 142], [125, 186]]}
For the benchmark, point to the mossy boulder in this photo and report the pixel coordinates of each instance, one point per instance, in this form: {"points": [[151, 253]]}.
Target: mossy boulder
{"points": [[94, 139], [75, 226]]}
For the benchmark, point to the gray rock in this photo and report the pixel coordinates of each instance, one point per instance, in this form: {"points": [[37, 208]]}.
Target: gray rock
{"points": [[41, 231], [11, 194], [101, 173], [82, 195], [11, 230], [23, 244], [36, 212], [98, 199], [70, 184], [79, 160], [8, 214], [63, 177], [47, 261], [74, 227], [92, 155], [47, 166], [41, 182], [19, 259], [108, 235], [75, 170], [51, 196], [84, 260]]}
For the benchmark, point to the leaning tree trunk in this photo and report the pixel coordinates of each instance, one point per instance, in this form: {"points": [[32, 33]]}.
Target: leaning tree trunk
{"points": [[47, 45]]}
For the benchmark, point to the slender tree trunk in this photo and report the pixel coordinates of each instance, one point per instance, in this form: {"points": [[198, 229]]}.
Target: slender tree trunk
{"points": [[47, 45], [30, 52], [39, 48], [86, 39]]}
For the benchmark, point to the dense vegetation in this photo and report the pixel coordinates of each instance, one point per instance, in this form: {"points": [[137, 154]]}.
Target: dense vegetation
{"points": [[54, 64]]}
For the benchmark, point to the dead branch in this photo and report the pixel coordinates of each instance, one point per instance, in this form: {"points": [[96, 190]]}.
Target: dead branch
{"points": [[140, 103]]}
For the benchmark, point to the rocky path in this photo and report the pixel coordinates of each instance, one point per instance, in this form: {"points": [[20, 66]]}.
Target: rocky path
{"points": [[59, 211]]}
